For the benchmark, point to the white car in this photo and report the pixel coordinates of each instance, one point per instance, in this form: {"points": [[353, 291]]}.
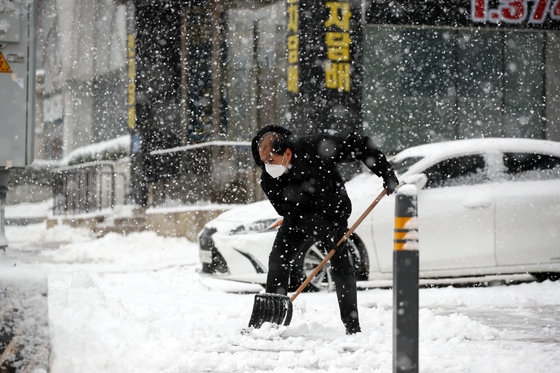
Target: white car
{"points": [[485, 207]]}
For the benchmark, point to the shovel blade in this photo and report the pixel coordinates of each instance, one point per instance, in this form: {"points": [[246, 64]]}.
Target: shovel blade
{"points": [[273, 308]]}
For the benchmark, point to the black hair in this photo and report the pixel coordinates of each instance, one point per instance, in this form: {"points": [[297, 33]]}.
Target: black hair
{"points": [[278, 142], [282, 141]]}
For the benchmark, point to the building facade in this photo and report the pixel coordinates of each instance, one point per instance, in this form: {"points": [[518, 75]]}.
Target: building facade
{"points": [[464, 69], [192, 81], [403, 72], [81, 74]]}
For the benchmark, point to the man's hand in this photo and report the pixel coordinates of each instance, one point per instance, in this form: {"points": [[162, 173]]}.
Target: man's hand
{"points": [[390, 182]]}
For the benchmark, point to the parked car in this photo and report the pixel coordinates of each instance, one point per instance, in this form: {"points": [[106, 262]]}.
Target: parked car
{"points": [[485, 207]]}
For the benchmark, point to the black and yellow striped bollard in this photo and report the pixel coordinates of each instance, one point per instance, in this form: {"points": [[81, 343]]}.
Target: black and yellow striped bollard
{"points": [[405, 281]]}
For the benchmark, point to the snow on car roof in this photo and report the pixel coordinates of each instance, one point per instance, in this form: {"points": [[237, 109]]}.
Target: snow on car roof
{"points": [[480, 145]]}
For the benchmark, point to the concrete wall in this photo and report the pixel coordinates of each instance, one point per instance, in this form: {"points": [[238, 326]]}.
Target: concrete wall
{"points": [[181, 224], [186, 223]]}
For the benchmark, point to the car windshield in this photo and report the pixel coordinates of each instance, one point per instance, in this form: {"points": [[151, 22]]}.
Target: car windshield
{"points": [[402, 165]]}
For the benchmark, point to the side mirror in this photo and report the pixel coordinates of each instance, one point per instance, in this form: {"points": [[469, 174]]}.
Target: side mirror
{"points": [[420, 180]]}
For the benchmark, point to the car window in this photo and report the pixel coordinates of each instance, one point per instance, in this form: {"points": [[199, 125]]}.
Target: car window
{"points": [[404, 164], [465, 170], [531, 166]]}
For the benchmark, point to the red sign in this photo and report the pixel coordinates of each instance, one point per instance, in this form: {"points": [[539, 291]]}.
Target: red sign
{"points": [[515, 11]]}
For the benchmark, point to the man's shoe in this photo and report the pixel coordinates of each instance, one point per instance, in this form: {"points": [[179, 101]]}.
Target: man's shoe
{"points": [[353, 330]]}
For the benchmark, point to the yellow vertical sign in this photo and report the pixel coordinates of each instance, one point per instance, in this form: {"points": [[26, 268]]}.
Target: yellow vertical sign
{"points": [[131, 82], [4, 67], [293, 46], [337, 39]]}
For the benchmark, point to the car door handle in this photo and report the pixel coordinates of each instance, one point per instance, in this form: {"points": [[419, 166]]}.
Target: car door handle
{"points": [[477, 204]]}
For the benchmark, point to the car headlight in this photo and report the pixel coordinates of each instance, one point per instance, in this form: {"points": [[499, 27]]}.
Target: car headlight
{"points": [[259, 226]]}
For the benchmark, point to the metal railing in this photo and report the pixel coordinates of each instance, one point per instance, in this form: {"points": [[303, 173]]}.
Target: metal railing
{"points": [[86, 188], [215, 171]]}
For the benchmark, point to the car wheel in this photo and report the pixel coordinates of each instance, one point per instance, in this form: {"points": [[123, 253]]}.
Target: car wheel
{"points": [[315, 253], [543, 276]]}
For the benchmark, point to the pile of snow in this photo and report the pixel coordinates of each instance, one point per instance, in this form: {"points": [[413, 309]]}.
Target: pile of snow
{"points": [[29, 210], [136, 251], [24, 236]]}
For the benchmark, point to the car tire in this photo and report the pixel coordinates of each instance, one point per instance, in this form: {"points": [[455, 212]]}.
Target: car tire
{"points": [[315, 253], [543, 276]]}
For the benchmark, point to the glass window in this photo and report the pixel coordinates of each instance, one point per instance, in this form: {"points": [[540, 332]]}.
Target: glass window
{"points": [[531, 166], [478, 104], [424, 85], [427, 67], [408, 86], [402, 165], [256, 88], [465, 170]]}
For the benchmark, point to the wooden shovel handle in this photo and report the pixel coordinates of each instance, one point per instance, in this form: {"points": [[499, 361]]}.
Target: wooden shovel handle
{"points": [[344, 238]]}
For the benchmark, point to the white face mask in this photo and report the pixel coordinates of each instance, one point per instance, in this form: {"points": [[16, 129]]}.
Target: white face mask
{"points": [[276, 170]]}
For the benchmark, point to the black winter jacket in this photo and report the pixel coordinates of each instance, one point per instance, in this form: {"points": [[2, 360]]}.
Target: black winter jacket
{"points": [[313, 185]]}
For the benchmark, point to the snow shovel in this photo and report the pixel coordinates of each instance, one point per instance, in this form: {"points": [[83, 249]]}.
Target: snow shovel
{"points": [[277, 308]]}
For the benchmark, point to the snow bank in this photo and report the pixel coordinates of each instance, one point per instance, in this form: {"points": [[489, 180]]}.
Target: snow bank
{"points": [[33, 234], [136, 251], [29, 210]]}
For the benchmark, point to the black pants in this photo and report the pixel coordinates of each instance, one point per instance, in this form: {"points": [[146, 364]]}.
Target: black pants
{"points": [[289, 248]]}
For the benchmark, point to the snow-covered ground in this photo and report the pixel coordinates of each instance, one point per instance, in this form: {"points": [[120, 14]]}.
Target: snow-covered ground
{"points": [[136, 303]]}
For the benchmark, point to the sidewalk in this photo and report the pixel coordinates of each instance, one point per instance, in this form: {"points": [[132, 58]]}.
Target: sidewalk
{"points": [[24, 330]]}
